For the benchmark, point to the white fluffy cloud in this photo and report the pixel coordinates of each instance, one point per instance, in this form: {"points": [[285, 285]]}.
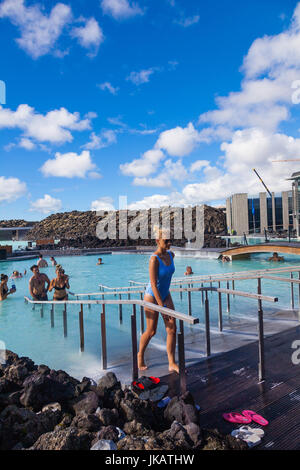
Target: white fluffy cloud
{"points": [[179, 142], [188, 21], [39, 32], [103, 204], [70, 165], [11, 189], [54, 127], [144, 166], [109, 87], [141, 77], [90, 35], [104, 139], [46, 205], [120, 9]]}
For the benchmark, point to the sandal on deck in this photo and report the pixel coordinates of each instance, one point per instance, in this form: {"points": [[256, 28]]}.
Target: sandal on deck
{"points": [[236, 418], [255, 417]]}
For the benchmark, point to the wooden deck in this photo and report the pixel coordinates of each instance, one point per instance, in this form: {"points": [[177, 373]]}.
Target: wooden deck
{"points": [[292, 248], [229, 382]]}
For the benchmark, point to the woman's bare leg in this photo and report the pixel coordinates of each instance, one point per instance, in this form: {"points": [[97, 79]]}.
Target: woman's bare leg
{"points": [[151, 319], [170, 324]]}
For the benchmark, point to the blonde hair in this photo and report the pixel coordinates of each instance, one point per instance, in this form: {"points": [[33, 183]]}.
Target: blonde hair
{"points": [[160, 232]]}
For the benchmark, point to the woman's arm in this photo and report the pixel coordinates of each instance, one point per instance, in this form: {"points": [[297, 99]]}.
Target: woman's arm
{"points": [[153, 270], [52, 284]]}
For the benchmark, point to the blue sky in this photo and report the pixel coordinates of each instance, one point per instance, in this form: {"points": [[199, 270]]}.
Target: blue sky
{"points": [[164, 101]]}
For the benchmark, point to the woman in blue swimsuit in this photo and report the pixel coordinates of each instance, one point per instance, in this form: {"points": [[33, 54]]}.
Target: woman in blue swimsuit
{"points": [[161, 270]]}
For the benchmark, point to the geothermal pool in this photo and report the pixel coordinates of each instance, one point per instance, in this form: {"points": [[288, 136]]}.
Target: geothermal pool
{"points": [[26, 333]]}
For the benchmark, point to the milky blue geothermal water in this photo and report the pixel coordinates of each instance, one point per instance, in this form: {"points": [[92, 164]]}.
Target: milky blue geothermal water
{"points": [[26, 333]]}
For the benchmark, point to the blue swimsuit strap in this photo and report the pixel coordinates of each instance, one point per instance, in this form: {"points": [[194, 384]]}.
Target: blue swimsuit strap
{"points": [[159, 259]]}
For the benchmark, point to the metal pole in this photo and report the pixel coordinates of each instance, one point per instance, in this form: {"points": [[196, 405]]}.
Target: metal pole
{"points": [[89, 297], [42, 311], [233, 287], [261, 346], [103, 340], [181, 292], [207, 325], [189, 303], [65, 321], [228, 299], [202, 293], [292, 293], [142, 316], [81, 328], [181, 358], [220, 310], [135, 370], [299, 289], [120, 310], [52, 316]]}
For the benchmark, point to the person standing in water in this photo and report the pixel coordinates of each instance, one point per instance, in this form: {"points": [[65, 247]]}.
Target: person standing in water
{"points": [[4, 290], [53, 261], [60, 284], [42, 263], [37, 288], [161, 270]]}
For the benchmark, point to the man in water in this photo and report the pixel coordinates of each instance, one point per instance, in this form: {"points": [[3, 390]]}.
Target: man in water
{"points": [[275, 257], [53, 261], [189, 271], [37, 288], [42, 263], [99, 262]]}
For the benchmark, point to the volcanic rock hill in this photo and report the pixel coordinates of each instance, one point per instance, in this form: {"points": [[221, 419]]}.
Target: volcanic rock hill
{"points": [[15, 223], [78, 229]]}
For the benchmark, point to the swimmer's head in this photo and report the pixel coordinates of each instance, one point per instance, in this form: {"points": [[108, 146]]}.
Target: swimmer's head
{"points": [[4, 277]]}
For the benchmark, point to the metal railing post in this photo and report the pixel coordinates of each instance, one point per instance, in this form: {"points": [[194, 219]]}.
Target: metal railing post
{"points": [[228, 299], [181, 358], [52, 316], [81, 328], [65, 321], [189, 303], [180, 292], [207, 325], [142, 316], [220, 310], [42, 311], [202, 293], [103, 339], [135, 370], [292, 292], [261, 345], [120, 310]]}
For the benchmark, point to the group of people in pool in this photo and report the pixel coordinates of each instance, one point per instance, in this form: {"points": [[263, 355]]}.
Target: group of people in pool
{"points": [[39, 283]]}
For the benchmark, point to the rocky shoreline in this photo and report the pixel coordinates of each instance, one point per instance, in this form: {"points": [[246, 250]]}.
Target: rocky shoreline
{"points": [[44, 409]]}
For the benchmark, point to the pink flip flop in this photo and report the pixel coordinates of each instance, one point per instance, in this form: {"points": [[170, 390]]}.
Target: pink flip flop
{"points": [[236, 418], [255, 417]]}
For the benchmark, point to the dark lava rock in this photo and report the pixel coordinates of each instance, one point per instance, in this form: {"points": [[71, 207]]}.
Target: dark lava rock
{"points": [[19, 425], [214, 440], [66, 439], [177, 436], [87, 422], [88, 402], [182, 409], [40, 390], [135, 428], [108, 417], [108, 433]]}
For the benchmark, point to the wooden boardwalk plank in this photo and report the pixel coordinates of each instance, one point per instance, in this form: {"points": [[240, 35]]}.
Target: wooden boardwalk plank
{"points": [[229, 382]]}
